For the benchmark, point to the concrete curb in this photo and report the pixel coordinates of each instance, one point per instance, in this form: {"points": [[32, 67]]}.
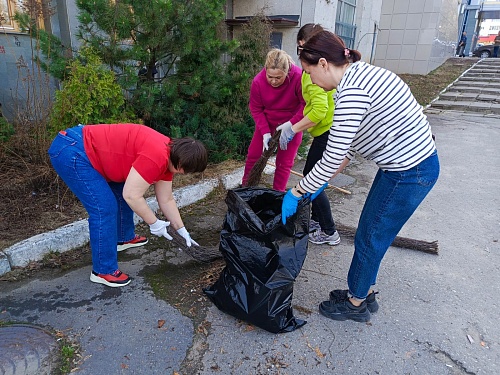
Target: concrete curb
{"points": [[76, 234]]}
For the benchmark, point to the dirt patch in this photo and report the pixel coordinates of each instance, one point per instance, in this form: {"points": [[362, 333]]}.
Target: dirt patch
{"points": [[427, 87], [34, 200]]}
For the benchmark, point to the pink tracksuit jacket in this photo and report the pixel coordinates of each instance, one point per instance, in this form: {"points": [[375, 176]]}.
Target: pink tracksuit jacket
{"points": [[271, 107]]}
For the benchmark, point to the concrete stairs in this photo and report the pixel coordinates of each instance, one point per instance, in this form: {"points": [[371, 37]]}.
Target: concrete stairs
{"points": [[477, 90]]}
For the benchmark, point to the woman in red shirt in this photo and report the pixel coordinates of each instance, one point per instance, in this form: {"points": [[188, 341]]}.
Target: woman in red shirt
{"points": [[109, 167]]}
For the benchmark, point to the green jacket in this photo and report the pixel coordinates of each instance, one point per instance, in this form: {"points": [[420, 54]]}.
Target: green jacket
{"points": [[319, 106]]}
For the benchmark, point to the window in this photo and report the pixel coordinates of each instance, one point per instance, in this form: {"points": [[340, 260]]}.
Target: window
{"points": [[276, 40], [6, 13], [344, 22], [8, 8]]}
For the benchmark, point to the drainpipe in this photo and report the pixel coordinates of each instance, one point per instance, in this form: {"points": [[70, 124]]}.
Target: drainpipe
{"points": [[373, 41]]}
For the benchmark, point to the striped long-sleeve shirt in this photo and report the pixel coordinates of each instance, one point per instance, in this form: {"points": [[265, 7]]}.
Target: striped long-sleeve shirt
{"points": [[376, 116]]}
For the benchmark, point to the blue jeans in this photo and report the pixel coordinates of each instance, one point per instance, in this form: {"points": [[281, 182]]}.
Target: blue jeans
{"points": [[320, 207], [392, 199], [110, 217]]}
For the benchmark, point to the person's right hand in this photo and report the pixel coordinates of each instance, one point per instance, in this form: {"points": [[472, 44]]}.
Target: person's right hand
{"points": [[265, 140], [159, 228], [289, 205]]}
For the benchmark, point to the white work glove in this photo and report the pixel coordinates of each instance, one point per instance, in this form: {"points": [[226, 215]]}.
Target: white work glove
{"points": [[159, 228], [265, 140], [287, 134], [184, 233]]}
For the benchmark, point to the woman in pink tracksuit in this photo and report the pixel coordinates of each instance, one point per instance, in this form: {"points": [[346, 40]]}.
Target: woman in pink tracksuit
{"points": [[275, 99]]}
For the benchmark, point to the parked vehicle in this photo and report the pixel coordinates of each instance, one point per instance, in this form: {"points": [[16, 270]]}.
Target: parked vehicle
{"points": [[483, 51]]}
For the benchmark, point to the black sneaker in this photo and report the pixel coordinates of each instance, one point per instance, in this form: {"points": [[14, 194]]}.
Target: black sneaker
{"points": [[341, 294], [343, 310]]}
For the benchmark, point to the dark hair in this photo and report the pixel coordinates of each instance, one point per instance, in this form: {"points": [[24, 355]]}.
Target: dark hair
{"points": [[307, 31], [188, 154], [329, 46]]}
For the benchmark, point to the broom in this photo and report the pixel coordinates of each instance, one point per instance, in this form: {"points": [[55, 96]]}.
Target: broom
{"points": [[256, 172], [402, 242], [199, 253], [206, 255]]}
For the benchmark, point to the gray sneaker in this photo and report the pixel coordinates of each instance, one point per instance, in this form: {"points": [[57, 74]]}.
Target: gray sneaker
{"points": [[319, 237], [313, 226]]}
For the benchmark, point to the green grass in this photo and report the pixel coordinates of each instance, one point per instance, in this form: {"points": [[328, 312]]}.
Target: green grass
{"points": [[68, 356]]}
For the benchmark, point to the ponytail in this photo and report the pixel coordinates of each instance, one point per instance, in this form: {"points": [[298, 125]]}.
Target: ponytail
{"points": [[329, 46]]}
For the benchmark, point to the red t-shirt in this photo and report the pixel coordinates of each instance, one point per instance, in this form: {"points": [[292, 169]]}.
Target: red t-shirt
{"points": [[113, 149]]}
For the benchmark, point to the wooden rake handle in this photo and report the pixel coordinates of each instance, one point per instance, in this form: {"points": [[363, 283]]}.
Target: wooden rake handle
{"points": [[301, 175]]}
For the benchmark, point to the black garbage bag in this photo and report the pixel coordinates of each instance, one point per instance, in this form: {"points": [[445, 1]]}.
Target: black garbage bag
{"points": [[263, 258]]}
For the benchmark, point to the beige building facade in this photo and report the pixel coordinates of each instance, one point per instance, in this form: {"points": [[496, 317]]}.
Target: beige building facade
{"points": [[416, 36]]}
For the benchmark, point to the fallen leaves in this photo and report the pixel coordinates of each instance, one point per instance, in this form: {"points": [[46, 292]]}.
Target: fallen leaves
{"points": [[203, 327], [249, 328], [316, 350]]}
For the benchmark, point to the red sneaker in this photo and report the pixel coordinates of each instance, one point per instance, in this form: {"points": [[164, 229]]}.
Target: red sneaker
{"points": [[113, 280], [136, 241]]}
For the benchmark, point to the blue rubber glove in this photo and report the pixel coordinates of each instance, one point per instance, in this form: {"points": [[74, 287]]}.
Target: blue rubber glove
{"points": [[319, 191], [289, 205], [316, 193]]}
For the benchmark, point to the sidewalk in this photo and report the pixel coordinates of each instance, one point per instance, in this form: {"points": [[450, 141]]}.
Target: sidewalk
{"points": [[438, 314]]}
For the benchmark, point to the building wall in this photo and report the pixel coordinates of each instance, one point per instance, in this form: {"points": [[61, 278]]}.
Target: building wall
{"points": [[15, 63], [368, 15], [22, 84], [309, 11], [324, 14], [416, 36]]}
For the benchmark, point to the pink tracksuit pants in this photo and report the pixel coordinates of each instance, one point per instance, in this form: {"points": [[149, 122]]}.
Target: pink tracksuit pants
{"points": [[284, 159]]}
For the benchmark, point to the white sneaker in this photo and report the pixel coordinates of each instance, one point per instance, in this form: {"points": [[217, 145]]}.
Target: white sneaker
{"points": [[319, 237]]}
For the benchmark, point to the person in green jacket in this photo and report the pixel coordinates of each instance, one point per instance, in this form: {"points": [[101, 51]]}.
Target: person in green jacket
{"points": [[318, 118]]}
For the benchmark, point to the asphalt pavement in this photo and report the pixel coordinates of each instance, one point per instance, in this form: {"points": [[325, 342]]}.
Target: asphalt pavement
{"points": [[438, 313]]}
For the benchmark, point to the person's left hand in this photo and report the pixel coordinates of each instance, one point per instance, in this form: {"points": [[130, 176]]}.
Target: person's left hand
{"points": [[289, 205], [317, 192], [265, 140], [185, 234], [287, 134]]}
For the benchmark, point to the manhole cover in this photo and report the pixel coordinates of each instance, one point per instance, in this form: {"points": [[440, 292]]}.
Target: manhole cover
{"points": [[26, 350]]}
